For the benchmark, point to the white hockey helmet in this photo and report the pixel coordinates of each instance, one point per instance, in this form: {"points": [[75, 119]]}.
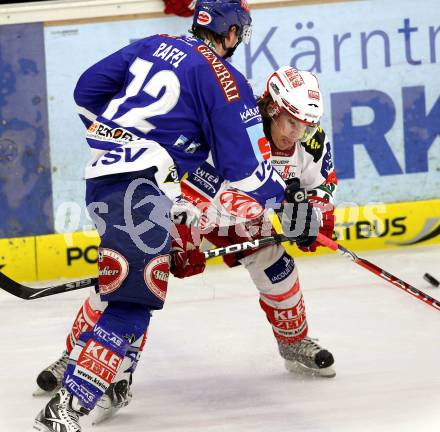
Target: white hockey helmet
{"points": [[297, 93]]}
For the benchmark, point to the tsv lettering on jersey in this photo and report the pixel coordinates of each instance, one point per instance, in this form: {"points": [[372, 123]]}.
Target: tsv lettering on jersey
{"points": [[120, 154], [130, 157], [170, 54], [259, 177], [264, 171]]}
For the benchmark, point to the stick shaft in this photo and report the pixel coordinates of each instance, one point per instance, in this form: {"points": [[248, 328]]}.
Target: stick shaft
{"points": [[399, 283], [248, 245], [28, 293]]}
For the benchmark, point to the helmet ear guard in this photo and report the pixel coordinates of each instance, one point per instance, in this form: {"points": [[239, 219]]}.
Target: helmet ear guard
{"points": [[273, 109]]}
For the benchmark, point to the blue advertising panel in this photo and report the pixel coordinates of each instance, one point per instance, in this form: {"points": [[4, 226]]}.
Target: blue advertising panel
{"points": [[378, 73], [377, 63], [25, 175]]}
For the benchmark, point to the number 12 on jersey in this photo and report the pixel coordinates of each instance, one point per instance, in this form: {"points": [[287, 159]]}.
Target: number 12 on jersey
{"points": [[138, 117]]}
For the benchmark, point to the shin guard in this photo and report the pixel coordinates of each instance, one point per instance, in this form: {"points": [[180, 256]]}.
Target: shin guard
{"points": [[99, 354]]}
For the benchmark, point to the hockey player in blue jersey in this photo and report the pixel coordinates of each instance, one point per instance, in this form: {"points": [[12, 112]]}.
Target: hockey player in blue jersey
{"points": [[154, 110]]}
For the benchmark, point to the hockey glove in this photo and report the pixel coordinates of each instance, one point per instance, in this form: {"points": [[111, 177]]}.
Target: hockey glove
{"points": [[300, 220], [327, 222], [183, 8], [186, 257], [184, 213]]}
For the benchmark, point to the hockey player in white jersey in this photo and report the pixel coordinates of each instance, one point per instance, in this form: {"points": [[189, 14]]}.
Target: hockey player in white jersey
{"points": [[299, 149]]}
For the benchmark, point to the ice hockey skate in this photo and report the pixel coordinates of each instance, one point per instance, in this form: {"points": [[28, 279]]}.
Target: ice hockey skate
{"points": [[307, 357], [49, 380], [117, 396], [61, 414]]}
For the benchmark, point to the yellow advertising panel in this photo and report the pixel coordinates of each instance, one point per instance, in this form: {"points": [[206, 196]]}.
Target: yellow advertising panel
{"points": [[17, 258], [369, 227], [73, 255], [382, 226]]}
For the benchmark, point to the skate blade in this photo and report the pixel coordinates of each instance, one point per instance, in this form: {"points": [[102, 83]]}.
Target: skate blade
{"points": [[40, 427], [101, 415], [299, 368], [39, 392]]}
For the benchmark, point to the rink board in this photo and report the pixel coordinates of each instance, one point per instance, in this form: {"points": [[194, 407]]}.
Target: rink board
{"points": [[376, 226]]}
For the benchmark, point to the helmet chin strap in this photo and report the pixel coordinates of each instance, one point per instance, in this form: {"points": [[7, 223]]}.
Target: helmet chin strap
{"points": [[230, 51]]}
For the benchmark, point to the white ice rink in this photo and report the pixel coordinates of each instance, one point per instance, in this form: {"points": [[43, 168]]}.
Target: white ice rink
{"points": [[211, 363]]}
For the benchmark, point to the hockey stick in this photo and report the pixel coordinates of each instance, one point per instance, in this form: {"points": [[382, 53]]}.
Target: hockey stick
{"points": [[28, 293], [399, 283]]}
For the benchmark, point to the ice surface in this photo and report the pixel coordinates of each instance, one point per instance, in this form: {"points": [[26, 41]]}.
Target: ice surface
{"points": [[211, 363]]}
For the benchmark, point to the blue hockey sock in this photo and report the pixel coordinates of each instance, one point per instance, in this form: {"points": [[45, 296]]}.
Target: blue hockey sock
{"points": [[98, 354]]}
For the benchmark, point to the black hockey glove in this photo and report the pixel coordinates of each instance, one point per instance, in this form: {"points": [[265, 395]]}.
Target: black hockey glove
{"points": [[300, 220]]}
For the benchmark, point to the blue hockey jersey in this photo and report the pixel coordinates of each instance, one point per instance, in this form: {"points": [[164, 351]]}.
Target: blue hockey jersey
{"points": [[168, 102]]}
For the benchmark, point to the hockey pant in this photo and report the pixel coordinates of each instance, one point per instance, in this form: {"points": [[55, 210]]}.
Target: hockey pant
{"points": [[275, 275], [273, 272], [133, 275]]}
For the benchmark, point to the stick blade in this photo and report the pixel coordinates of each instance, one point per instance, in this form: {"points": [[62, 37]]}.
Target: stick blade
{"points": [[28, 293], [15, 288]]}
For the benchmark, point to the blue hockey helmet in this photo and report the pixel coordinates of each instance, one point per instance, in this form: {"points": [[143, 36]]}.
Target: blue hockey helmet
{"points": [[220, 15]]}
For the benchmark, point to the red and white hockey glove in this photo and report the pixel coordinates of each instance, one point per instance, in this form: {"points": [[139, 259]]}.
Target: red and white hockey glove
{"points": [[327, 222], [186, 257], [300, 221], [183, 8]]}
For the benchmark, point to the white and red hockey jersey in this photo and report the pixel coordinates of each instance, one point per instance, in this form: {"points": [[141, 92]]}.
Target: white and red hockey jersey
{"points": [[222, 205]]}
